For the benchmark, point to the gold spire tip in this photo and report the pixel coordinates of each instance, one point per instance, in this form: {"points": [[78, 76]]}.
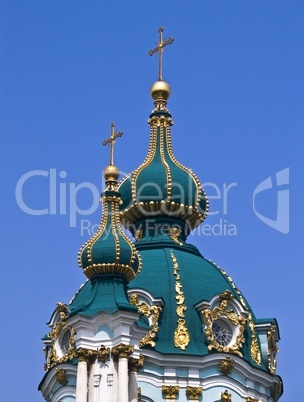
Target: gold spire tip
{"points": [[111, 172], [159, 49]]}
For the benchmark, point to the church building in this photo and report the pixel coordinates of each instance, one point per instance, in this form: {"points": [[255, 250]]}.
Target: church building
{"points": [[155, 321]]}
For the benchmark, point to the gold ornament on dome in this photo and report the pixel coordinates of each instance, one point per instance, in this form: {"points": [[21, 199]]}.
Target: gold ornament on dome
{"points": [[238, 321], [226, 365], [152, 313], [226, 397], [170, 391], [272, 349], [181, 334], [193, 393]]}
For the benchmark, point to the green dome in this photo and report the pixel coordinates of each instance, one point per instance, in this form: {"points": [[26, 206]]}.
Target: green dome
{"points": [[178, 270], [162, 186], [109, 251]]}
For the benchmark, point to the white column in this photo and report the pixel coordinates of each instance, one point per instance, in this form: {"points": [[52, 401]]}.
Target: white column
{"points": [[133, 394], [82, 380], [122, 352], [134, 365], [123, 392]]}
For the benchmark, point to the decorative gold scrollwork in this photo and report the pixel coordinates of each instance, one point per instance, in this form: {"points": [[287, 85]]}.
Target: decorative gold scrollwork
{"points": [[226, 365], [53, 359], [152, 312], [103, 354], [181, 334], [230, 315]]}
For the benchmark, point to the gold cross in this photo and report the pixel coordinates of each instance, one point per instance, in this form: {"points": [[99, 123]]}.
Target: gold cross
{"points": [[111, 141], [160, 48]]}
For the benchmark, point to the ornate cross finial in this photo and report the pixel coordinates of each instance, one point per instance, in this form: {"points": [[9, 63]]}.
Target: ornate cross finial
{"points": [[159, 49], [111, 141]]}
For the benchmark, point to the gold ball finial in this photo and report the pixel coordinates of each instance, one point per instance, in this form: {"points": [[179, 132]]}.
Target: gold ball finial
{"points": [[111, 173], [160, 90]]}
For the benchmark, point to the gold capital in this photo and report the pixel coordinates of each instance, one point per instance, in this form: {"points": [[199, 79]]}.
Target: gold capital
{"points": [[122, 351], [170, 391], [159, 49], [135, 364], [111, 141], [85, 355], [194, 393]]}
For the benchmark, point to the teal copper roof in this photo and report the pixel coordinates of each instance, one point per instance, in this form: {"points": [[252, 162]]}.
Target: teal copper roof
{"points": [[198, 280]]}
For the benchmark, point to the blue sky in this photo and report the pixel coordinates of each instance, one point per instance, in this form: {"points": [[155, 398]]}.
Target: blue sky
{"points": [[68, 68]]}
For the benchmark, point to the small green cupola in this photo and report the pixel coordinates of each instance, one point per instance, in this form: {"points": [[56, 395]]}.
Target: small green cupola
{"points": [[110, 251]]}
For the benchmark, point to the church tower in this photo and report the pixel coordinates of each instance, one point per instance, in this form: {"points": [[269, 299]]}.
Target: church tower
{"points": [[156, 321]]}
